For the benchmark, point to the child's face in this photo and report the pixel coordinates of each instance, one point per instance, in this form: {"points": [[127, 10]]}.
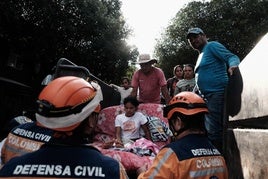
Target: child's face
{"points": [[130, 109], [125, 83]]}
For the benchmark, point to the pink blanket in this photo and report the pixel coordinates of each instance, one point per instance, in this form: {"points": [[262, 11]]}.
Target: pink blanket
{"points": [[105, 132]]}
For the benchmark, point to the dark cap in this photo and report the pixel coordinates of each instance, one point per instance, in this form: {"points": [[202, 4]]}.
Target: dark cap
{"points": [[194, 30]]}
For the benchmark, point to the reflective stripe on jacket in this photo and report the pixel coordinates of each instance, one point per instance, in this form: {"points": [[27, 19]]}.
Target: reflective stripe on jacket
{"points": [[192, 156]]}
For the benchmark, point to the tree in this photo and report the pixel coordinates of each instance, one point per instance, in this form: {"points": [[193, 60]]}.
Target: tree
{"points": [[89, 33], [35, 34], [238, 24]]}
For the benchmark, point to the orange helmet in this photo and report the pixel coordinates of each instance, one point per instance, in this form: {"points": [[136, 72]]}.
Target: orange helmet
{"points": [[66, 101], [187, 103]]}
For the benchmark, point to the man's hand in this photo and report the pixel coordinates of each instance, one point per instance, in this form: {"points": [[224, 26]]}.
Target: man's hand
{"points": [[231, 70]]}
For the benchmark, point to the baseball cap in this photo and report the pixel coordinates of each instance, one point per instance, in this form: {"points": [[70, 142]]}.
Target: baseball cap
{"points": [[195, 30]]}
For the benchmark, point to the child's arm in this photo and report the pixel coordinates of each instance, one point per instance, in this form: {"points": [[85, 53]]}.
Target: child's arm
{"points": [[146, 131], [118, 134], [115, 86]]}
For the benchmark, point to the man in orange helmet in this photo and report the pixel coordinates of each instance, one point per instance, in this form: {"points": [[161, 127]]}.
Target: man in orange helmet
{"points": [[69, 106], [190, 155]]}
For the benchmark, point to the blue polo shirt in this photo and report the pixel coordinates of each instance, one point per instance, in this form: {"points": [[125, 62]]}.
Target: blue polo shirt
{"points": [[211, 67]]}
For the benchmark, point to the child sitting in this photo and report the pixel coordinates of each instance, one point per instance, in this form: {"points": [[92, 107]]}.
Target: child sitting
{"points": [[128, 124]]}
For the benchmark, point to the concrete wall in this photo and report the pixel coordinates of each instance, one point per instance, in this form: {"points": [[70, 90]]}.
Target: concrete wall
{"points": [[246, 139], [247, 153], [248, 89]]}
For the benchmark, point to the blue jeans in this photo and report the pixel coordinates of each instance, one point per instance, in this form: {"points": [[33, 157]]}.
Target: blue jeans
{"points": [[214, 119]]}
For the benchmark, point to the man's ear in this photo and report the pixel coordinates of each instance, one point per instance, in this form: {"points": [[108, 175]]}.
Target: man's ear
{"points": [[174, 123], [178, 123]]}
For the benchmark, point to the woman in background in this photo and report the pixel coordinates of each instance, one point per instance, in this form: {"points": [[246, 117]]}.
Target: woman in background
{"points": [[171, 82]]}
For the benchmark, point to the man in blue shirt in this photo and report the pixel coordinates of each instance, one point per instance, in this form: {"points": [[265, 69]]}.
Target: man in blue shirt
{"points": [[213, 66]]}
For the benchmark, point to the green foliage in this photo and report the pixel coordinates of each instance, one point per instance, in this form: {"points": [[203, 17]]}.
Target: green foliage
{"points": [[91, 33], [238, 24]]}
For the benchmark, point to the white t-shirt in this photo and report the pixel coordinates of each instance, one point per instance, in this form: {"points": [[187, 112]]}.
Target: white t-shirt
{"points": [[184, 85], [130, 126], [123, 92]]}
